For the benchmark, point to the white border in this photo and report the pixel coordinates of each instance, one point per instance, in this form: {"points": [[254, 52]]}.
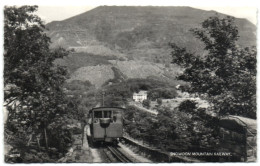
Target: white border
{"points": [[194, 3]]}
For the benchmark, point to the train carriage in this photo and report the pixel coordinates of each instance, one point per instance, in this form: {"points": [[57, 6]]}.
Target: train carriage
{"points": [[106, 124]]}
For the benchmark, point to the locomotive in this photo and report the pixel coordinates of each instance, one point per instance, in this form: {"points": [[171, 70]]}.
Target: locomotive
{"points": [[106, 124]]}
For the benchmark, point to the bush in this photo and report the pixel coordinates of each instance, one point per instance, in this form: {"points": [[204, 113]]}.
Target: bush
{"points": [[76, 130], [159, 101], [147, 103], [165, 93], [170, 130], [78, 86], [60, 134], [187, 106], [121, 59]]}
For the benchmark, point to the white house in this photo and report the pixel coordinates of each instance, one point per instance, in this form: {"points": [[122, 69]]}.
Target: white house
{"points": [[140, 96]]}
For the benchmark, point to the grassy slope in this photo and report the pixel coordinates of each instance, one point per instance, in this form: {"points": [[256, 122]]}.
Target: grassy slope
{"points": [[77, 60], [98, 74]]}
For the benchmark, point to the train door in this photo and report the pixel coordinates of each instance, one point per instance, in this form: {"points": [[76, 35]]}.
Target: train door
{"points": [[115, 129]]}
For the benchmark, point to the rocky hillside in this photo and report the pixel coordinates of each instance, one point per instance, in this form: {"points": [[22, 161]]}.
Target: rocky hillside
{"points": [[132, 34]]}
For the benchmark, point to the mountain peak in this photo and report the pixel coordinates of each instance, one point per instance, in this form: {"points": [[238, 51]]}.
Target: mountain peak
{"points": [[129, 29]]}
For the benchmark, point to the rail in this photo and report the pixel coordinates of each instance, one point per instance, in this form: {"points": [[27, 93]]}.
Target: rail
{"points": [[156, 155], [114, 154], [119, 155]]}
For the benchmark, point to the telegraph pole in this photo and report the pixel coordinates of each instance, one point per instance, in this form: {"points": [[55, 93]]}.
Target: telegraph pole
{"points": [[103, 98]]}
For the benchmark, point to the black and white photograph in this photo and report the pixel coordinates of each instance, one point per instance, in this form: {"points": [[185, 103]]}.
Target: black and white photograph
{"points": [[129, 83]]}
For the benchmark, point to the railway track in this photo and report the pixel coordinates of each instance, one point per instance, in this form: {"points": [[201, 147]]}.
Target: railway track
{"points": [[114, 154]]}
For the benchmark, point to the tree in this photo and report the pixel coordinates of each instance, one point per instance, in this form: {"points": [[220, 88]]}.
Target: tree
{"points": [[226, 73], [159, 101], [188, 106], [147, 103], [32, 83]]}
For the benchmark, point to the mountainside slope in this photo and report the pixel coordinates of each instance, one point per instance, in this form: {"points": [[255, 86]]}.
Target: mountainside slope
{"points": [[96, 75], [101, 73], [136, 39], [131, 29]]}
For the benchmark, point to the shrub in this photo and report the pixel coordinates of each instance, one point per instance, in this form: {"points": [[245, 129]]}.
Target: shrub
{"points": [[147, 103], [159, 101], [187, 106], [165, 93]]}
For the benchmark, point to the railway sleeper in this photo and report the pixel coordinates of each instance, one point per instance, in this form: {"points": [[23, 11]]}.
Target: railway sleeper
{"points": [[119, 155], [109, 156]]}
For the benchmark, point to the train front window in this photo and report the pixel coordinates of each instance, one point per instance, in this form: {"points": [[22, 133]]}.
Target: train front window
{"points": [[117, 117], [107, 114], [97, 115]]}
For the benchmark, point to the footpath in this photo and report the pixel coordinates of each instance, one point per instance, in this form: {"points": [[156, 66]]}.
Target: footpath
{"points": [[144, 109]]}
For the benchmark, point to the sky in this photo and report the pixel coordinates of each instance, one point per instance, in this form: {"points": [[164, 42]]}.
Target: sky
{"points": [[58, 13], [56, 10]]}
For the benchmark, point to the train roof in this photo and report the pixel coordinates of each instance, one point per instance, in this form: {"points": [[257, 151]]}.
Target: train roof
{"points": [[106, 108]]}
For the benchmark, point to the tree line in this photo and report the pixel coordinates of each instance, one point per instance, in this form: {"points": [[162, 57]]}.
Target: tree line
{"points": [[38, 110], [226, 73]]}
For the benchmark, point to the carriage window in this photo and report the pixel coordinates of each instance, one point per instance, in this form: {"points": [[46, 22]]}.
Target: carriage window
{"points": [[117, 117], [98, 114], [107, 114]]}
